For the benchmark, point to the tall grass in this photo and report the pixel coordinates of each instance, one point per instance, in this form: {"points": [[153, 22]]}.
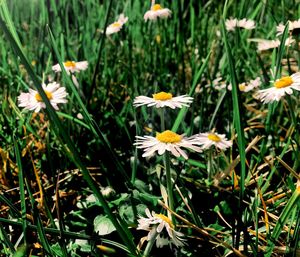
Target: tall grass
{"points": [[56, 165]]}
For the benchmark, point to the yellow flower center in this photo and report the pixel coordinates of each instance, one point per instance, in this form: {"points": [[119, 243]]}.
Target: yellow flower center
{"points": [[168, 137], [39, 98], [116, 24], [283, 82], [165, 219], [214, 137], [156, 7], [162, 96], [242, 86], [70, 64]]}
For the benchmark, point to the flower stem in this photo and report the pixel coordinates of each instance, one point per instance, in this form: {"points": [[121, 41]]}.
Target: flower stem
{"points": [[162, 120], [169, 183], [150, 245]]}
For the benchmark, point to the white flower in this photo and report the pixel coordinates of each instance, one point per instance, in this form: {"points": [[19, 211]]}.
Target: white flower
{"points": [[233, 23], [243, 87], [157, 11], [263, 44], [33, 101], [71, 66], [246, 24], [107, 191], [155, 223], [163, 99], [292, 25], [166, 141], [246, 87], [116, 26], [219, 83], [281, 87], [207, 140], [254, 83]]}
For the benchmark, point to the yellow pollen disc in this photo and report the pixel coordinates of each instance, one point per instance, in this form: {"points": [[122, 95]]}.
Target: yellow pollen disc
{"points": [[39, 98], [168, 137], [162, 96], [242, 86], [283, 82], [165, 219], [156, 7], [214, 137], [70, 64], [116, 24]]}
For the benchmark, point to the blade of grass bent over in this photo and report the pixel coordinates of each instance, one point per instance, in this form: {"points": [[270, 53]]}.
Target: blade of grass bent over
{"points": [[71, 151]]}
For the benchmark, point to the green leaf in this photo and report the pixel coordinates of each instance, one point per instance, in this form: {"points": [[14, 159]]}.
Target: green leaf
{"points": [[103, 225]]}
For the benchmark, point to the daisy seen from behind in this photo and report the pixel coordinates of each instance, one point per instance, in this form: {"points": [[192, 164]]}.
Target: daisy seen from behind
{"points": [[233, 23], [156, 11], [163, 99], [263, 44], [116, 26], [167, 141], [209, 139], [71, 66], [281, 87], [293, 25], [33, 101], [156, 224]]}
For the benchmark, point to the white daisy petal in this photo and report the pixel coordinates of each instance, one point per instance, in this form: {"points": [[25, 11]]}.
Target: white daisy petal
{"points": [[163, 99], [71, 66], [157, 11], [116, 26], [207, 140], [167, 141], [32, 100], [155, 223], [282, 86]]}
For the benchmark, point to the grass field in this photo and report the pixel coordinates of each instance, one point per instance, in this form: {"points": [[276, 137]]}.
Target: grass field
{"points": [[217, 174]]}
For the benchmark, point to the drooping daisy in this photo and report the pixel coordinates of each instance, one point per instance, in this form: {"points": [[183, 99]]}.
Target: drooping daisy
{"points": [[163, 99], [246, 24], [167, 141], [33, 101], [293, 25], [263, 44], [233, 23], [157, 11], [71, 66], [155, 224], [281, 87], [116, 26], [207, 140]]}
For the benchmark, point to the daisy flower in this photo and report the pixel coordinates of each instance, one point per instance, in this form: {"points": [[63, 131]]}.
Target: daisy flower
{"points": [[163, 99], [166, 141], [157, 11], [233, 23], [281, 87], [207, 140], [263, 44], [246, 24], [116, 26], [156, 224], [33, 101], [71, 66], [293, 25]]}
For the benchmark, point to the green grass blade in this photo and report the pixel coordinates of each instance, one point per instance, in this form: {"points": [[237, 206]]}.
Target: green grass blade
{"points": [[183, 110], [22, 190], [292, 202]]}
